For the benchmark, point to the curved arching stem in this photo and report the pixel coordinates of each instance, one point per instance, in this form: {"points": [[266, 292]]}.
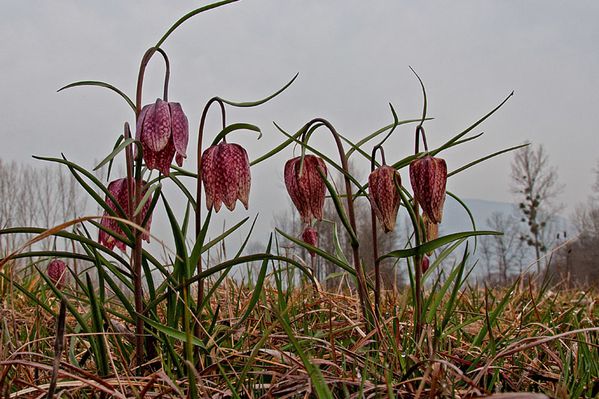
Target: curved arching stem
{"points": [[198, 210], [129, 166], [134, 168], [142, 71], [167, 73], [380, 149], [419, 133], [361, 278], [375, 246], [419, 128], [418, 323]]}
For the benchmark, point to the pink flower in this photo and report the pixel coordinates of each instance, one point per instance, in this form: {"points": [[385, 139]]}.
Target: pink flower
{"points": [[226, 176], [306, 186], [428, 176], [310, 236], [120, 191], [163, 131], [57, 271], [383, 195]]}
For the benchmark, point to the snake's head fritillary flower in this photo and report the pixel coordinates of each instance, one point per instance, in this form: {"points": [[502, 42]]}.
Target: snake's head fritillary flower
{"points": [[428, 176], [383, 195], [310, 236], [226, 176], [163, 130], [57, 272], [120, 191], [306, 186]]}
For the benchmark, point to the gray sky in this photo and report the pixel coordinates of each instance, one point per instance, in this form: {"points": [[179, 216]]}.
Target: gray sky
{"points": [[353, 59]]}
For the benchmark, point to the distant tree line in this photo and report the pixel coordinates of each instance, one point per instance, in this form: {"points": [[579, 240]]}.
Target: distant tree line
{"points": [[35, 197], [533, 241]]}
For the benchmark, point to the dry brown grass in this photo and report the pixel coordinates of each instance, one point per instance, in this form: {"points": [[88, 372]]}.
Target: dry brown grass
{"points": [[543, 342]]}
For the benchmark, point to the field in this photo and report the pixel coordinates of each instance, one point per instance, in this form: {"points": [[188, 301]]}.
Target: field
{"points": [[301, 342]]}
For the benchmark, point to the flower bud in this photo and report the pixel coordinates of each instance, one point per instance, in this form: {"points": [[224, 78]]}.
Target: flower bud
{"points": [[383, 195], [425, 264], [432, 229], [310, 236], [57, 272], [428, 176], [226, 176], [305, 186], [163, 130], [120, 191]]}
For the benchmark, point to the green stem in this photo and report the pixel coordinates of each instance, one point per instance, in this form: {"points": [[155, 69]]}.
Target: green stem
{"points": [[198, 210], [375, 246], [360, 276]]}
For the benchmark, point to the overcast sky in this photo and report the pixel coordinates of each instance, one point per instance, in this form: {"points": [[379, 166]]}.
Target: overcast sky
{"points": [[353, 59]]}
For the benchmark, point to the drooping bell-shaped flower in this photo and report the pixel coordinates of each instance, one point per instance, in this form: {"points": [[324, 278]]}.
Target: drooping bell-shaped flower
{"points": [[306, 186], [163, 130], [226, 176], [383, 195], [310, 236], [120, 191], [428, 176], [57, 272]]}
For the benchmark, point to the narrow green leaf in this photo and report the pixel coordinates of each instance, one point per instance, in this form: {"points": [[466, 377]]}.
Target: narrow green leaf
{"points": [[96, 317], [434, 244], [257, 287], [382, 130], [176, 230], [438, 294], [469, 165], [120, 147], [199, 247], [234, 262], [30, 295], [75, 170], [100, 84], [225, 273], [146, 197], [233, 127], [318, 382], [475, 124], [188, 16], [171, 332], [60, 295], [320, 154], [68, 235], [277, 149], [339, 208], [262, 101], [321, 253], [190, 197], [495, 314]]}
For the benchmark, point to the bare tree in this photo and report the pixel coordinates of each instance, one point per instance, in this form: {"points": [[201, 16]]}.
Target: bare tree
{"points": [[535, 183]]}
